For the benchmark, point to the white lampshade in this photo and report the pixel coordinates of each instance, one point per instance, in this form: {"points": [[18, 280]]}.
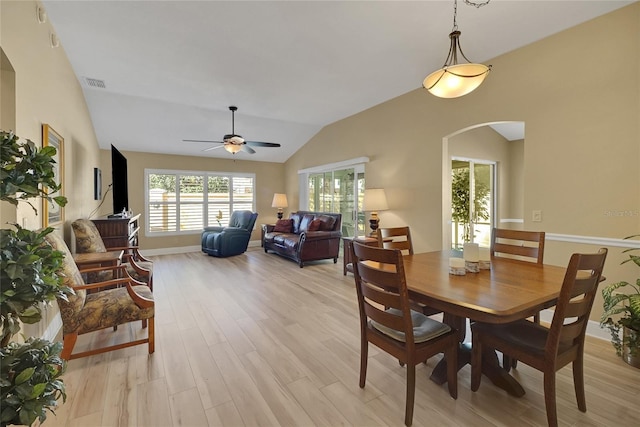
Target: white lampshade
{"points": [[374, 200], [279, 201], [453, 79], [456, 80]]}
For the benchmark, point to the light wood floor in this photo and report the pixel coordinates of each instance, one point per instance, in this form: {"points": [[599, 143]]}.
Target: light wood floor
{"points": [[256, 340]]}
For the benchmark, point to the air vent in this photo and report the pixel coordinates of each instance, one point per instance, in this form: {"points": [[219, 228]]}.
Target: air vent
{"points": [[94, 83]]}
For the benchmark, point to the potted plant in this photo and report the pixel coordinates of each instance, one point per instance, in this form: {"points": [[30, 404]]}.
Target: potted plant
{"points": [[461, 203], [623, 298], [30, 371]]}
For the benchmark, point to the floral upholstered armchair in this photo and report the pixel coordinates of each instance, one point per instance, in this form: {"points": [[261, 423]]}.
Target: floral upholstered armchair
{"points": [[107, 305], [88, 240]]}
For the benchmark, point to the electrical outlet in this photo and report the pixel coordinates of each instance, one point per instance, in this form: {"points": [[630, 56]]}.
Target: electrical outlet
{"points": [[536, 216]]}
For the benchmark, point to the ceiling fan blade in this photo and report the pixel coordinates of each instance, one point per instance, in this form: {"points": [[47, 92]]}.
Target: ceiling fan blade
{"points": [[213, 148], [201, 140], [248, 149], [262, 144]]}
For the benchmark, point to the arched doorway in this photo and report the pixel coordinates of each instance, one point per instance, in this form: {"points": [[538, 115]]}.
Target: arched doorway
{"points": [[489, 159]]}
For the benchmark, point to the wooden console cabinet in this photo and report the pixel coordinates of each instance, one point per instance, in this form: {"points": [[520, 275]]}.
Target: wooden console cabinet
{"points": [[346, 246], [118, 232]]}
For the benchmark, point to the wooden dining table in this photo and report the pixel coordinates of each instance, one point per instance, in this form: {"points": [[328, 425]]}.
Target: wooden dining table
{"points": [[509, 291]]}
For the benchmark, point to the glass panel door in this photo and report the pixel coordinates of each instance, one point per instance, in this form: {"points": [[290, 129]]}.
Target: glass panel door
{"points": [[344, 199], [472, 201], [339, 191]]}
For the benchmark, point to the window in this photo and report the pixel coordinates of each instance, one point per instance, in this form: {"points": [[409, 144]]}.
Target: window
{"points": [[183, 202]]}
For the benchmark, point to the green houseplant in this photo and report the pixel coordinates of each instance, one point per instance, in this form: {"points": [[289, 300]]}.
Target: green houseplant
{"points": [[622, 299], [461, 202], [30, 383]]}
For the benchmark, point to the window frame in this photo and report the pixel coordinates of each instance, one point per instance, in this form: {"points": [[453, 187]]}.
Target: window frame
{"points": [[205, 202]]}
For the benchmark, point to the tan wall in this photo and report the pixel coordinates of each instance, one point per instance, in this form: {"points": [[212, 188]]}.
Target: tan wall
{"points": [[578, 93], [7, 119], [516, 179], [269, 180], [47, 91]]}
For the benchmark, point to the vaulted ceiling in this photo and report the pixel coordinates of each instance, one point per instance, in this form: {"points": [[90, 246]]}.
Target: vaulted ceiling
{"points": [[171, 69]]}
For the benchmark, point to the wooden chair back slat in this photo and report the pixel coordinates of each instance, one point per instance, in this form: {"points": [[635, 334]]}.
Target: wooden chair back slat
{"points": [[395, 238], [583, 276], [389, 320], [382, 297], [519, 244]]}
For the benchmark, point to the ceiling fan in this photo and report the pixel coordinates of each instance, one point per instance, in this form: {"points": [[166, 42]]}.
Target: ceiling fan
{"points": [[234, 143]]}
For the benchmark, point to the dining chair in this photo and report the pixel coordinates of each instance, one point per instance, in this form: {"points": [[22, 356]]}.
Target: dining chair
{"points": [[106, 305], [549, 349], [387, 321], [395, 238], [521, 245], [400, 238], [88, 240]]}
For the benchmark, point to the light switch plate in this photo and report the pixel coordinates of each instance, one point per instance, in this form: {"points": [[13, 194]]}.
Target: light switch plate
{"points": [[536, 216]]}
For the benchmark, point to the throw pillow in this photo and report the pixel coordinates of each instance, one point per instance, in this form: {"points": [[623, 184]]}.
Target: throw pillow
{"points": [[283, 226], [327, 222], [304, 223], [315, 225]]}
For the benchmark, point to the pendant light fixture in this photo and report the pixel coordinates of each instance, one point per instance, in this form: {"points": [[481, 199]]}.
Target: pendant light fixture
{"points": [[454, 80]]}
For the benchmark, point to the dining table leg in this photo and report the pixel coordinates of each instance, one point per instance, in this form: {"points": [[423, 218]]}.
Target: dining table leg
{"points": [[490, 363]]}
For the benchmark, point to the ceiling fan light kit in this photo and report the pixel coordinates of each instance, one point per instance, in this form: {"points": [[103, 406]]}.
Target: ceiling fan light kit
{"points": [[234, 143], [232, 148], [454, 80]]}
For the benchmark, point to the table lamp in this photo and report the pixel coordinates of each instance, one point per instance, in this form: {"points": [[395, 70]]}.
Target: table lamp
{"points": [[374, 200], [279, 201]]}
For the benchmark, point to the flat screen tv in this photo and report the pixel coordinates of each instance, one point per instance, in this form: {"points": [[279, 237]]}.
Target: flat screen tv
{"points": [[120, 189]]}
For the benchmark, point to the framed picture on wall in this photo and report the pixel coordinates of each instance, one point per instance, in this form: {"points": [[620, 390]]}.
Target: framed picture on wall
{"points": [[52, 213]]}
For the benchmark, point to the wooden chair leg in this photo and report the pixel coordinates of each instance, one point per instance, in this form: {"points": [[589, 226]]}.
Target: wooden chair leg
{"points": [[452, 370], [550, 398], [476, 362], [411, 392], [364, 354], [507, 362], [68, 342], [578, 382], [152, 336]]}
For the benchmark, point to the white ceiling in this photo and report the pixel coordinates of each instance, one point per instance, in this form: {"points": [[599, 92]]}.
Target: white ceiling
{"points": [[172, 68]]}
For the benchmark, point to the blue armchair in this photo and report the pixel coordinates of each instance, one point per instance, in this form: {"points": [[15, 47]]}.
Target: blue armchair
{"points": [[230, 240]]}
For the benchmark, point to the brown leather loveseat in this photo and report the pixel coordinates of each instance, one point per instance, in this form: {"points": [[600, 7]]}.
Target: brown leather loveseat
{"points": [[305, 236]]}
